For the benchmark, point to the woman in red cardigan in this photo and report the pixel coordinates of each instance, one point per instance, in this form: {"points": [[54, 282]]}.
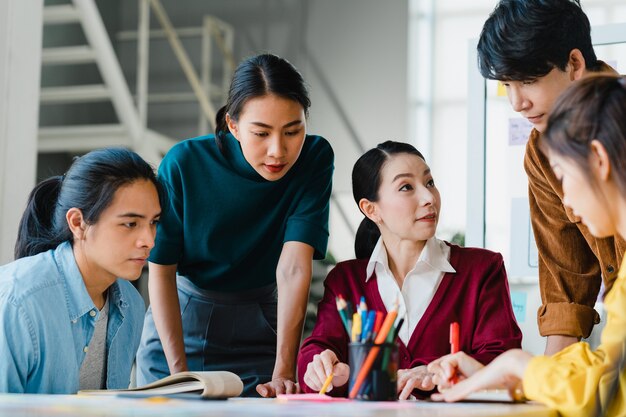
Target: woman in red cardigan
{"points": [[400, 259]]}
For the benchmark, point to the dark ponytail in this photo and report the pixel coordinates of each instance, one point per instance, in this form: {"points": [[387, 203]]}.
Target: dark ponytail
{"points": [[37, 218], [220, 124], [366, 237], [256, 77], [365, 184], [89, 185]]}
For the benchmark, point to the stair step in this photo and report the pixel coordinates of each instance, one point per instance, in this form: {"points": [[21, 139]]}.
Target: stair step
{"points": [[75, 94], [81, 138], [60, 14], [216, 93], [68, 55]]}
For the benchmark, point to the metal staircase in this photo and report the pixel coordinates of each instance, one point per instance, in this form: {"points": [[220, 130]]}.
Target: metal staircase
{"points": [[130, 130]]}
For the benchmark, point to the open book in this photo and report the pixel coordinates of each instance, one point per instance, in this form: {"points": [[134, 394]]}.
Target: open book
{"points": [[213, 384]]}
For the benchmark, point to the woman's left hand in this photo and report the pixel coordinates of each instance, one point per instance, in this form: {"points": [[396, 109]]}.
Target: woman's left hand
{"points": [[410, 379], [277, 386]]}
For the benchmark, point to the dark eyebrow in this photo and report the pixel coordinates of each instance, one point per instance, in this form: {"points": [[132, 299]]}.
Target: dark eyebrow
{"points": [[261, 124], [402, 176], [409, 175], [137, 215]]}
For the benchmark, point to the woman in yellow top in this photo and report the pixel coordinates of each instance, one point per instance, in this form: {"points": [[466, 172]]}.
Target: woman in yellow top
{"points": [[585, 142]]}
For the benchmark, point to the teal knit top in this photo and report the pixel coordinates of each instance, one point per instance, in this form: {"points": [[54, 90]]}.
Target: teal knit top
{"points": [[225, 225]]}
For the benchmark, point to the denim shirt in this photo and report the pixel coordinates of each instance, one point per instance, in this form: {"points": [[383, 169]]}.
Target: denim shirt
{"points": [[47, 319]]}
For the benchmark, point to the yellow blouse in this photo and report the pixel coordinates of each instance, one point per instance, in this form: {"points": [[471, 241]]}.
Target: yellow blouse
{"points": [[577, 380]]}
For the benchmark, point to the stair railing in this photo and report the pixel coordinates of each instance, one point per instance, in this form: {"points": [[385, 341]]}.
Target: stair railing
{"points": [[201, 86]]}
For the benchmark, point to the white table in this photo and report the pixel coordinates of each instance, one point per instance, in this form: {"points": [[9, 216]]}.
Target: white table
{"points": [[21, 405]]}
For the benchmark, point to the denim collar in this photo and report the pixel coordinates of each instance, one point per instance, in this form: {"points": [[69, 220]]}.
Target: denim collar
{"points": [[77, 299]]}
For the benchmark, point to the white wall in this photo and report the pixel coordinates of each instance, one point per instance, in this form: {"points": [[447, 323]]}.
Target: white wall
{"points": [[20, 53], [361, 48]]}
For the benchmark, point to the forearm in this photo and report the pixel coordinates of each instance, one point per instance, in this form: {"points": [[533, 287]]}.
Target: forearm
{"points": [[519, 362], [293, 290], [166, 313], [556, 343]]}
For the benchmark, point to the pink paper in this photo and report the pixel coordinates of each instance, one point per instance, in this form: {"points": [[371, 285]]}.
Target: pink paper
{"points": [[312, 397]]}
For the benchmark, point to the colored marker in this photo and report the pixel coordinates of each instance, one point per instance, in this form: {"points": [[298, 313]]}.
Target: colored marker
{"points": [[356, 327], [454, 344], [391, 339], [342, 309], [363, 310], [379, 322], [366, 334]]}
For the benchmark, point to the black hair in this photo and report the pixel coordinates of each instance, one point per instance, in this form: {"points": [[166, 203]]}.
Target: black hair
{"points": [[526, 39], [258, 76], [89, 185], [593, 108], [365, 184]]}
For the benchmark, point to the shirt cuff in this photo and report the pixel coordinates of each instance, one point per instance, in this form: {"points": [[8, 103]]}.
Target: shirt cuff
{"points": [[309, 233], [566, 319], [165, 253]]}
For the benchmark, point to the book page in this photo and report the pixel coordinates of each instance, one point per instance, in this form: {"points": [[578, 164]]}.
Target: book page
{"points": [[210, 384], [492, 395]]}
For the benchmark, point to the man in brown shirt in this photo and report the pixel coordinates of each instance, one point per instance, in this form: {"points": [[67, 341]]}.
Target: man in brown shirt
{"points": [[537, 48]]}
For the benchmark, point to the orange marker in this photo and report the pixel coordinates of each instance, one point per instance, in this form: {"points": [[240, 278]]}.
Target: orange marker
{"points": [[454, 344]]}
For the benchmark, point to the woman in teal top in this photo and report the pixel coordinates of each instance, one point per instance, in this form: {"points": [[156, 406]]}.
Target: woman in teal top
{"points": [[230, 274]]}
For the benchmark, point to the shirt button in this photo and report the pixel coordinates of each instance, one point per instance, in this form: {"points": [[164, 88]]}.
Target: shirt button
{"points": [[85, 349], [610, 269], [74, 321], [92, 313]]}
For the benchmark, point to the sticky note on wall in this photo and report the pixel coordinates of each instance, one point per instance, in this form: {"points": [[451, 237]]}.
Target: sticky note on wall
{"points": [[518, 300], [501, 92], [519, 130]]}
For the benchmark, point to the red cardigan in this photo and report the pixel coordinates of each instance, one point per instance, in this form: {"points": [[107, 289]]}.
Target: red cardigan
{"points": [[477, 296]]}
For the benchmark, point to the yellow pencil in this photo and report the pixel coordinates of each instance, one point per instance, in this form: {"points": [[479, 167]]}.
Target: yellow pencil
{"points": [[356, 327], [327, 383]]}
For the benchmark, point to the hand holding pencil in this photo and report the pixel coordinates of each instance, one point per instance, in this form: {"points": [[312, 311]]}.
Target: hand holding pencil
{"points": [[321, 368]]}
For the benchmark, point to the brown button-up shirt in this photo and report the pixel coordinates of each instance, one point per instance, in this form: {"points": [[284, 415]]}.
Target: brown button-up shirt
{"points": [[572, 263]]}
